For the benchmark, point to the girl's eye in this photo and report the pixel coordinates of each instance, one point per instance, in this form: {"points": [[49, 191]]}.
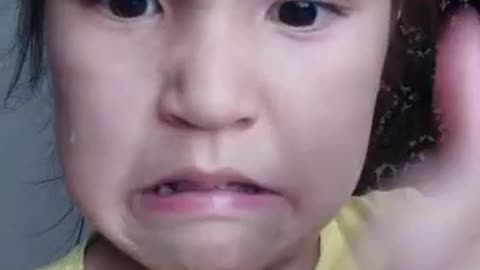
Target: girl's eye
{"points": [[302, 14], [129, 9]]}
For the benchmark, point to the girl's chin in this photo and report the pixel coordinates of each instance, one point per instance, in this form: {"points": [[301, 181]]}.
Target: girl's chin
{"points": [[201, 256], [223, 250], [232, 254]]}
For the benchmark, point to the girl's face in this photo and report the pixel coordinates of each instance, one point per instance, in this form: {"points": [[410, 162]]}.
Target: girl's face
{"points": [[214, 134]]}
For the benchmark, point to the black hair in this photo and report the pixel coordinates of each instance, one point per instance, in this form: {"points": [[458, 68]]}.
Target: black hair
{"points": [[29, 47], [404, 124]]}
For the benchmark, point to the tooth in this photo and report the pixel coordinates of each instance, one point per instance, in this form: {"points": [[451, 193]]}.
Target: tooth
{"points": [[222, 187], [164, 190], [250, 190], [255, 189], [243, 188], [236, 188]]}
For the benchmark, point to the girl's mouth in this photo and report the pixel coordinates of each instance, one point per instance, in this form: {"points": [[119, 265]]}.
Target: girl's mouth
{"points": [[192, 192], [176, 187]]}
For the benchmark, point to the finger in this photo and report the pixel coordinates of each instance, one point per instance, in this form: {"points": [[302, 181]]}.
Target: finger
{"points": [[457, 94], [432, 234], [457, 86]]}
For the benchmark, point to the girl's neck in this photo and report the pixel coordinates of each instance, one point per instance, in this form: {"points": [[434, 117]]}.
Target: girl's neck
{"points": [[101, 254]]}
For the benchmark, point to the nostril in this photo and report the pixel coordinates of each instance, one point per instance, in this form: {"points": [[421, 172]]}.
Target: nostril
{"points": [[179, 122], [182, 123], [244, 123]]}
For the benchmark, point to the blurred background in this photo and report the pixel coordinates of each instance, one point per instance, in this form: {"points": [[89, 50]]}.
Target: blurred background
{"points": [[33, 227]]}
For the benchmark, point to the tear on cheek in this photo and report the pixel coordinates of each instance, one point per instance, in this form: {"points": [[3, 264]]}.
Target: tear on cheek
{"points": [[73, 138]]}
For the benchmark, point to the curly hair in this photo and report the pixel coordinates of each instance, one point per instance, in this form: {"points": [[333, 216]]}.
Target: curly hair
{"points": [[404, 123]]}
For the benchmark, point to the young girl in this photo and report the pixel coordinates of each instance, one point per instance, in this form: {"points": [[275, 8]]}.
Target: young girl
{"points": [[216, 134]]}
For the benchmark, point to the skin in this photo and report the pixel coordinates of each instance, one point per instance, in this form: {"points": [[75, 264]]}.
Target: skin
{"points": [[269, 100], [441, 232], [440, 229]]}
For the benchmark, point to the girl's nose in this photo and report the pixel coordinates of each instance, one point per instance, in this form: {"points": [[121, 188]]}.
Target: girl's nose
{"points": [[211, 88]]}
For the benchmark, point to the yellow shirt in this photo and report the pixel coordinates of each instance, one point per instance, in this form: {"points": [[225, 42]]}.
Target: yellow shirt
{"points": [[337, 238]]}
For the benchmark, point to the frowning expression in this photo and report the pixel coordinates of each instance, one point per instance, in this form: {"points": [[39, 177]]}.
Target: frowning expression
{"points": [[192, 128]]}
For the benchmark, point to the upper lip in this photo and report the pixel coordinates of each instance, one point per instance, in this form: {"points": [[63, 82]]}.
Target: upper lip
{"points": [[210, 180]]}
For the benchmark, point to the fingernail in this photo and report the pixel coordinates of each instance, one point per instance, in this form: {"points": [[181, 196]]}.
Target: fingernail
{"points": [[461, 36], [454, 7], [459, 16]]}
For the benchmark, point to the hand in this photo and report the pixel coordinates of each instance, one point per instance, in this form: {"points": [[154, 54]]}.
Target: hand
{"points": [[442, 231]]}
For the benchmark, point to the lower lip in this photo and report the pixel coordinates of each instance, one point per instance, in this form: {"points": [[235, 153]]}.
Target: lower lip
{"points": [[208, 202]]}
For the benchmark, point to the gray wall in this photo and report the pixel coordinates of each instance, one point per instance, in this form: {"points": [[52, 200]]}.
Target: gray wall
{"points": [[27, 209]]}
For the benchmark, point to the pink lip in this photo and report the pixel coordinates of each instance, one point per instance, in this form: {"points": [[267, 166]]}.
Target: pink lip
{"points": [[208, 200]]}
